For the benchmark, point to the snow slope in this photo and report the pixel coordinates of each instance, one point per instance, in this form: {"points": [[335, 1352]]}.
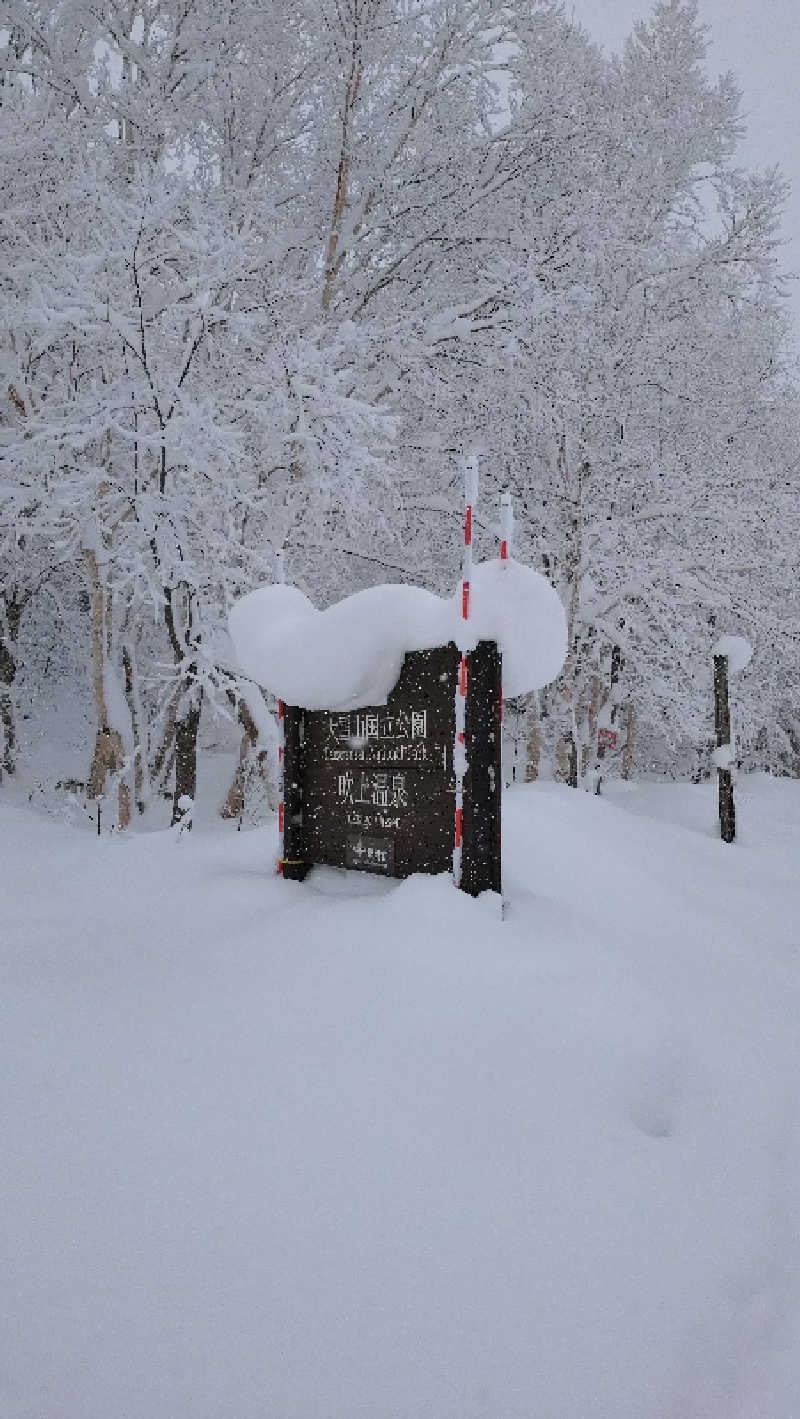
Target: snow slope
{"points": [[360, 1150]]}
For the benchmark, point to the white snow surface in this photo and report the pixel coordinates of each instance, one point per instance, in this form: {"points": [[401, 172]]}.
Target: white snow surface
{"points": [[351, 653], [724, 757], [353, 1149], [738, 650]]}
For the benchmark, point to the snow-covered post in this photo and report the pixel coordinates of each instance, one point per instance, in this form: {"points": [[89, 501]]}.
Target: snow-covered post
{"points": [[281, 796], [722, 756], [460, 747], [731, 654]]}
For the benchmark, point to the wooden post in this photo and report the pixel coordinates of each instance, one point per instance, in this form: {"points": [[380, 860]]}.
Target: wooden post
{"points": [[722, 726], [480, 862], [281, 783], [294, 862]]}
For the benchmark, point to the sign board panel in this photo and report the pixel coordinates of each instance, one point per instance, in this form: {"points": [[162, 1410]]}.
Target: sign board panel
{"points": [[386, 771], [606, 738], [374, 788]]}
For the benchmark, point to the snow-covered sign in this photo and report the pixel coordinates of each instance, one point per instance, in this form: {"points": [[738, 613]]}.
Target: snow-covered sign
{"points": [[606, 738], [372, 788], [371, 754]]}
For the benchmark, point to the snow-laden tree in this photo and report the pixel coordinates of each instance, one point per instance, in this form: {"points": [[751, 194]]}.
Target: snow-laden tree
{"points": [[272, 269], [183, 385], [647, 329]]}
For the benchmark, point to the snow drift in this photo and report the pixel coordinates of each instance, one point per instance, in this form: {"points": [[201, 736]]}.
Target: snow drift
{"points": [[360, 1149], [351, 654]]}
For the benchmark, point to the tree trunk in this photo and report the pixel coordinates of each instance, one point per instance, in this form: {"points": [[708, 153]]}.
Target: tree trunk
{"points": [[109, 751], [107, 757], [247, 767], [187, 724], [533, 741], [567, 760], [8, 734], [124, 804], [8, 674], [573, 762], [574, 480], [135, 709], [165, 753], [332, 254], [591, 751], [629, 749]]}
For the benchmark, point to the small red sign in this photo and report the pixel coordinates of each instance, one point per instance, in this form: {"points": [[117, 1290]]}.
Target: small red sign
{"points": [[606, 738]]}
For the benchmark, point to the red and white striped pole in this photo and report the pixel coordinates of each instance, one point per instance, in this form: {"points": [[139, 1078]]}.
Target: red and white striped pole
{"points": [[506, 527], [280, 567], [460, 747], [281, 769], [506, 534]]}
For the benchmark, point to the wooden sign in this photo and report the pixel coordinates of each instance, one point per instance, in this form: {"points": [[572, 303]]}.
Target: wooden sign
{"points": [[372, 789]]}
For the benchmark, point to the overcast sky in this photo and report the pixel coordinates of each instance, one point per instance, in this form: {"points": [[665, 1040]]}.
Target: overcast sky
{"points": [[760, 41]]}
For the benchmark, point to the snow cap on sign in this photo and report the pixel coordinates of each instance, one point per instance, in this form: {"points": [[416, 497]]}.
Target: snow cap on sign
{"points": [[738, 650], [351, 654]]}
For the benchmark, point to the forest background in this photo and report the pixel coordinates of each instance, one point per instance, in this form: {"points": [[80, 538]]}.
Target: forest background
{"points": [[270, 271]]}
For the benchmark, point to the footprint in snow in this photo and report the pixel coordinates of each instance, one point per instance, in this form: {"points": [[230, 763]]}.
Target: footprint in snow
{"points": [[656, 1095]]}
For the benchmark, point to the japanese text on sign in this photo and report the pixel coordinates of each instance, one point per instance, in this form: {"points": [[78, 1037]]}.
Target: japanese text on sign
{"points": [[382, 736], [377, 790]]}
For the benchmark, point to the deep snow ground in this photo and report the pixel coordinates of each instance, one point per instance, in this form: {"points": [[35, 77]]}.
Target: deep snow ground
{"points": [[353, 1150]]}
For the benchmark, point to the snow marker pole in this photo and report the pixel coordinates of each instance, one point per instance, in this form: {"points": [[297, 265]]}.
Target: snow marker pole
{"points": [[281, 802], [506, 535], [722, 727], [460, 746], [280, 567], [506, 527]]}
